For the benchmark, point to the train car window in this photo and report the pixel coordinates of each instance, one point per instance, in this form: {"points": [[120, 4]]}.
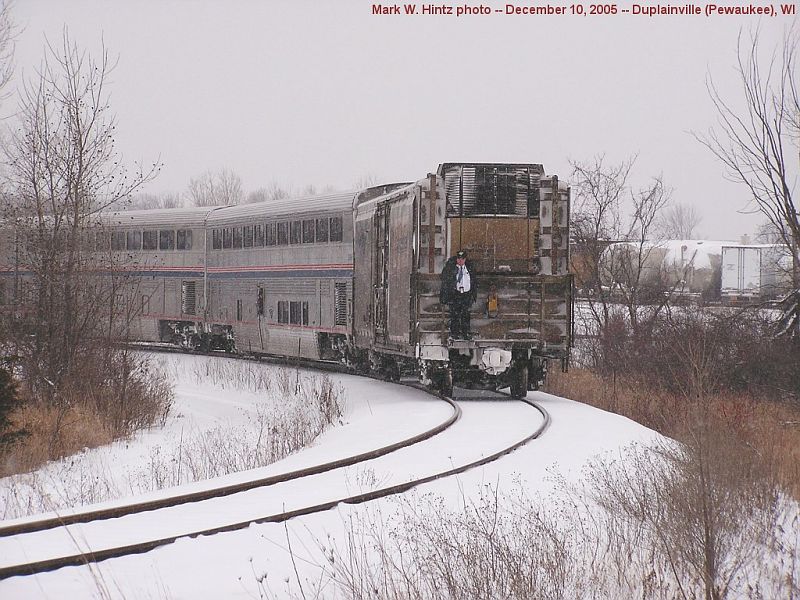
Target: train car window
{"points": [[258, 235], [134, 240], [101, 241], [283, 234], [283, 311], [270, 237], [294, 313], [184, 239], [247, 236], [308, 231], [216, 239], [296, 231], [149, 240], [166, 239], [227, 238], [322, 230], [237, 237], [118, 240], [298, 313], [336, 229]]}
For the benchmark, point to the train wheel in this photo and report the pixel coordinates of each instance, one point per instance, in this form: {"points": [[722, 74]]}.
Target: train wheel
{"points": [[519, 382]]}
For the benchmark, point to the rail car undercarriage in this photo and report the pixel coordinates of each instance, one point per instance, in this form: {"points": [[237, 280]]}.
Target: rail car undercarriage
{"points": [[464, 363], [195, 335]]}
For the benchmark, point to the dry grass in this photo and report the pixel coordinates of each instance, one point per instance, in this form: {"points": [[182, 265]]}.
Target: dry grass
{"points": [[629, 530], [276, 430], [53, 433], [95, 407], [772, 428]]}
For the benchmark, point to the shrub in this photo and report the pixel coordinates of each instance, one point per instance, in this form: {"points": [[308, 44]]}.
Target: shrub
{"points": [[9, 402], [100, 401]]}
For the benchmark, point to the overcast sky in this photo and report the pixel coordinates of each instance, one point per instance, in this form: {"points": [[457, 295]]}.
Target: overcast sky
{"points": [[300, 92]]}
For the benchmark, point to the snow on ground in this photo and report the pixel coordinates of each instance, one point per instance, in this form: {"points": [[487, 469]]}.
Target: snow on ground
{"points": [[232, 565], [217, 413]]}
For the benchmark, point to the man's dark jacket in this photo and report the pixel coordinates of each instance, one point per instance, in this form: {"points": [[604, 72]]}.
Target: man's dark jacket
{"points": [[449, 275]]}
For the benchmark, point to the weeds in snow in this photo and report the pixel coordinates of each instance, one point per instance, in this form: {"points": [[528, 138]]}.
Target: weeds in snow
{"points": [[277, 430], [693, 521], [289, 413]]}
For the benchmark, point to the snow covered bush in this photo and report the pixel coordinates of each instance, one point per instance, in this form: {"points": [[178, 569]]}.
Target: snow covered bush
{"points": [[697, 520]]}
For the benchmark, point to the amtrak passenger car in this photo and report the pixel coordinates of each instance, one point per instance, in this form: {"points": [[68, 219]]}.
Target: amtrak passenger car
{"points": [[268, 278]]}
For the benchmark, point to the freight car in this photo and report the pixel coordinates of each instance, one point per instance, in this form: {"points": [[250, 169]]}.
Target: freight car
{"points": [[354, 277]]}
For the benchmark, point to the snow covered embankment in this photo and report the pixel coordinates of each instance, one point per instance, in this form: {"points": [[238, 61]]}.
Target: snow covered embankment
{"points": [[229, 416]]}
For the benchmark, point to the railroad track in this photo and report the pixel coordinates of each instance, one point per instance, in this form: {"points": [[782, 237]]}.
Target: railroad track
{"points": [[90, 528]]}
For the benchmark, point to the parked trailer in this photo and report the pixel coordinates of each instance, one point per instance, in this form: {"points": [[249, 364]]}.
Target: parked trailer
{"points": [[752, 272]]}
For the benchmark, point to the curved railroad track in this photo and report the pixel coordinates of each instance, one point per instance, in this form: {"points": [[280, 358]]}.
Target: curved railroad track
{"points": [[219, 492], [68, 528]]}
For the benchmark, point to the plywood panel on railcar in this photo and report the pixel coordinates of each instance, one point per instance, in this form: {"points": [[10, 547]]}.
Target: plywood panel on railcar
{"points": [[492, 242]]}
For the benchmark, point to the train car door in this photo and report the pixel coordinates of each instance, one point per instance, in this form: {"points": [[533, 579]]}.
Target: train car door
{"points": [[381, 281]]}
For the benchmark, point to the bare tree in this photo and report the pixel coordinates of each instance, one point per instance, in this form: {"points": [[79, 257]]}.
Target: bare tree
{"points": [[755, 144], [679, 222], [366, 181], [223, 188], [7, 35], [615, 254], [271, 192], [64, 167], [164, 200]]}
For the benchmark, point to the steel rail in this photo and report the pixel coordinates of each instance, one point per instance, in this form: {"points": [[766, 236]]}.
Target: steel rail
{"points": [[88, 557], [227, 490]]}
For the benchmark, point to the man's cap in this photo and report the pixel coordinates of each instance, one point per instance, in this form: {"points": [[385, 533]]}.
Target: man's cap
{"points": [[461, 254]]}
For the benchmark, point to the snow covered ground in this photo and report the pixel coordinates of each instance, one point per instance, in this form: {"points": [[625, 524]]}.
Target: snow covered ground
{"points": [[221, 407], [243, 564]]}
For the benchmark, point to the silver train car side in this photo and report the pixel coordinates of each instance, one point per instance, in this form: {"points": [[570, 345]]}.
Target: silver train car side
{"points": [[271, 278]]}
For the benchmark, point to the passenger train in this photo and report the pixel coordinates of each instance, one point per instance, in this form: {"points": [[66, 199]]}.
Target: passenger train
{"points": [[355, 277]]}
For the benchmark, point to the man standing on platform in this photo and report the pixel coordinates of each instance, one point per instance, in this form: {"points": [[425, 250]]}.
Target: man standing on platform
{"points": [[459, 290]]}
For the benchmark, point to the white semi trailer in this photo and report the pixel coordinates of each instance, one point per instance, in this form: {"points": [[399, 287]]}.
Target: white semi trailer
{"points": [[752, 272]]}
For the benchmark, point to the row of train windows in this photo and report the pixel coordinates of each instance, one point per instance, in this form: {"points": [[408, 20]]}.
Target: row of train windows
{"points": [[307, 231], [163, 239], [292, 313]]}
